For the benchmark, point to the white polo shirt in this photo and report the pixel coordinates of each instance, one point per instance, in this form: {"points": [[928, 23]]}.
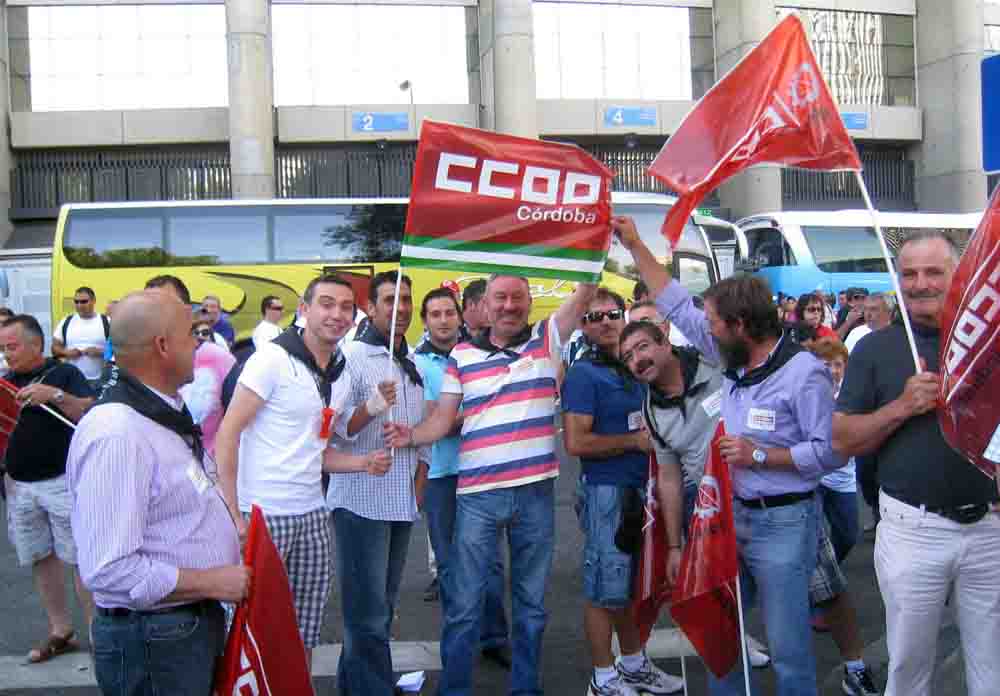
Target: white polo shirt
{"points": [[281, 453]]}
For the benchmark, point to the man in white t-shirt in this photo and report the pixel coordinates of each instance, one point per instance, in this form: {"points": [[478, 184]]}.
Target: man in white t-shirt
{"points": [[80, 338], [269, 327], [878, 309], [273, 444]]}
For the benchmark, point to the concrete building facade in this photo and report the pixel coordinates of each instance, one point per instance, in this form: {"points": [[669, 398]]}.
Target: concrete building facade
{"points": [[905, 74]]}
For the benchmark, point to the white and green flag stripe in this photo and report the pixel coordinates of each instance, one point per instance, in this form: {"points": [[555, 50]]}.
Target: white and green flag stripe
{"points": [[579, 265]]}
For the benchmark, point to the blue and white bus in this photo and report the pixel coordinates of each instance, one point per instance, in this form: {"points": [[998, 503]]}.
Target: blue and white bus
{"points": [[830, 251]]}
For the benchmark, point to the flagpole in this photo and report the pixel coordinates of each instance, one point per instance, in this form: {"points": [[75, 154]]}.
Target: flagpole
{"points": [[743, 636], [892, 272], [392, 339], [56, 414], [684, 675]]}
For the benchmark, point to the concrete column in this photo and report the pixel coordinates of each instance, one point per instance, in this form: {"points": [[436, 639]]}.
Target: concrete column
{"points": [[20, 59], [6, 158], [739, 26], [949, 160], [472, 53], [507, 67], [251, 98]]}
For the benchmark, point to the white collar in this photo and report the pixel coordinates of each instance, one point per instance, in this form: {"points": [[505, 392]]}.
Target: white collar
{"points": [[176, 402]]}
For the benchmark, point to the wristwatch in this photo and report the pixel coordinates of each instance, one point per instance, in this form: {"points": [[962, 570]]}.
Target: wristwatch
{"points": [[759, 457], [58, 397]]}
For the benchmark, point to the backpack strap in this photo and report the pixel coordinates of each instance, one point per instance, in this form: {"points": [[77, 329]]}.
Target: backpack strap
{"points": [[107, 327], [65, 328], [651, 424]]}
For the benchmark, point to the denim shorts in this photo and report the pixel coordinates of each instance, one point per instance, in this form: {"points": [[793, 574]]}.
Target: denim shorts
{"points": [[607, 572]]}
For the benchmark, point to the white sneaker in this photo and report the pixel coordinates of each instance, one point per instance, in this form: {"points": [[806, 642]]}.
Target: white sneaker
{"points": [[758, 658], [615, 687], [651, 679]]}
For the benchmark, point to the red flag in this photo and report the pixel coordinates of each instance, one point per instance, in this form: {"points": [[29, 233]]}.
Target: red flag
{"points": [[704, 601], [773, 107], [649, 594], [264, 652], [488, 202], [969, 412]]}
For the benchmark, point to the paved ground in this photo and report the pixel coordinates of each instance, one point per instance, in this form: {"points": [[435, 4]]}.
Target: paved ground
{"points": [[565, 659]]}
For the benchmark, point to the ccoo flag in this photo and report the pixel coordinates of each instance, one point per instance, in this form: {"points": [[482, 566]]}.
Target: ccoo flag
{"points": [[492, 203], [969, 413], [704, 601], [773, 107], [264, 654], [651, 593]]}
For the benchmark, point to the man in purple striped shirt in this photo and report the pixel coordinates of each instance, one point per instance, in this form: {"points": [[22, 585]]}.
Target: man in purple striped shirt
{"points": [[156, 544]]}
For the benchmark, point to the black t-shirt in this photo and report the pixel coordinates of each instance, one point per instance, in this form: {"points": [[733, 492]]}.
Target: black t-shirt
{"points": [[38, 448], [915, 464]]}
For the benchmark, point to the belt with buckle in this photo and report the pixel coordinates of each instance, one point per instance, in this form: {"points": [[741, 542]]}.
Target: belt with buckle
{"points": [[772, 501], [123, 612], [962, 514]]}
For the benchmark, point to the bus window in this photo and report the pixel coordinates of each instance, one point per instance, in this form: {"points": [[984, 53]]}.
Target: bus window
{"points": [[217, 235], [844, 249], [343, 234], [114, 239], [692, 272], [648, 222], [768, 248]]}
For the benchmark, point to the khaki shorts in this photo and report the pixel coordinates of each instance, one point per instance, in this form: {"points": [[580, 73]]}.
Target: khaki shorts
{"points": [[39, 517]]}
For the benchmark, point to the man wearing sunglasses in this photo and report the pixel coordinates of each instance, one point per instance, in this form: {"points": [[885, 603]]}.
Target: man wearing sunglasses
{"points": [[602, 417], [80, 338], [269, 327]]}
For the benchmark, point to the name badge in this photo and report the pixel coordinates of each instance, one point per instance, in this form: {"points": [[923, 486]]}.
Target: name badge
{"points": [[761, 419], [635, 420], [712, 404], [197, 477]]}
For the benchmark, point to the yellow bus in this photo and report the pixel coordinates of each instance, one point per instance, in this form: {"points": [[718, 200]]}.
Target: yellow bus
{"points": [[242, 251]]}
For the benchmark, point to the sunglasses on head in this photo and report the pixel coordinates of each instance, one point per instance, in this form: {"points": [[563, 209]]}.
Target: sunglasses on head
{"points": [[594, 317]]}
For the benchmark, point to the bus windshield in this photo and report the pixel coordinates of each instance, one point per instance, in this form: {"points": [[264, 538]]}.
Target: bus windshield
{"points": [[844, 249], [648, 221]]}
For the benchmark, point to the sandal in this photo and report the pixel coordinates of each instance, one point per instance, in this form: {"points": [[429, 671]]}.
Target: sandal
{"points": [[53, 646]]}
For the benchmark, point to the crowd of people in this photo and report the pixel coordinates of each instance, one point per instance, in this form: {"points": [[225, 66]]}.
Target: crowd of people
{"points": [[343, 436]]}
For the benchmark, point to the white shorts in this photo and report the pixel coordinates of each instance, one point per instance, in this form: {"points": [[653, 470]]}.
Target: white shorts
{"points": [[39, 517]]}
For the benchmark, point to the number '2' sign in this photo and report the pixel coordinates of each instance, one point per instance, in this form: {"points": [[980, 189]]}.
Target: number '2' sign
{"points": [[379, 121]]}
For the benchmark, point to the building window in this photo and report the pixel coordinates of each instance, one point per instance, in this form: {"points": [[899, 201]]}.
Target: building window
{"points": [[608, 51], [127, 57], [991, 39], [359, 54], [867, 58]]}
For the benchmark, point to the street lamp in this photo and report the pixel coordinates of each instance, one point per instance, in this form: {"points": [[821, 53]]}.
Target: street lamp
{"points": [[407, 86]]}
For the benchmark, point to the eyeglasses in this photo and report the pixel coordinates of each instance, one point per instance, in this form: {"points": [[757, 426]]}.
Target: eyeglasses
{"points": [[594, 317], [79, 302], [202, 333]]}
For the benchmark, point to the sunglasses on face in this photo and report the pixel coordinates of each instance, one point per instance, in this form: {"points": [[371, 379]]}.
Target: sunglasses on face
{"points": [[594, 317], [276, 308], [813, 309], [79, 302], [202, 333]]}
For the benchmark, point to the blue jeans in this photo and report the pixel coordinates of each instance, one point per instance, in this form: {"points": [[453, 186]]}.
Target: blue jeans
{"points": [[528, 514], [151, 654], [439, 511], [370, 559], [777, 550], [841, 510]]}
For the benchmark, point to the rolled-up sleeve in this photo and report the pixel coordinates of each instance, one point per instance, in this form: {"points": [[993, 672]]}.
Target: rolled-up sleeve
{"points": [[674, 303], [111, 494], [813, 402]]}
